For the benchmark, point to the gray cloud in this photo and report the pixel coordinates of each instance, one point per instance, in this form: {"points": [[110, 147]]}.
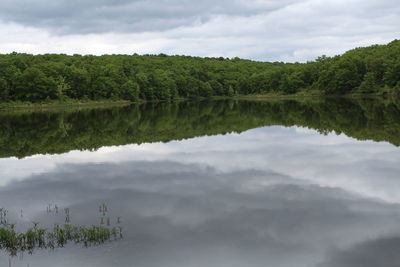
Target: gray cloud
{"points": [[377, 252], [289, 30], [91, 16]]}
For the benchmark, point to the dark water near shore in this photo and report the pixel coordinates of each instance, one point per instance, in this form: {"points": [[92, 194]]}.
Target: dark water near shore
{"points": [[219, 183]]}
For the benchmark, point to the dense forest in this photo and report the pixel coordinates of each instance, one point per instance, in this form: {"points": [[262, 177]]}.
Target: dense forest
{"points": [[25, 134], [36, 78]]}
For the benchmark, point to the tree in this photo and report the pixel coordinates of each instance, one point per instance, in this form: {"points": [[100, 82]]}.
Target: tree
{"points": [[217, 87], [79, 80], [339, 77], [62, 87], [231, 91], [369, 84], [146, 91], [164, 86], [36, 77], [205, 89], [291, 83], [33, 85], [4, 91], [130, 90]]}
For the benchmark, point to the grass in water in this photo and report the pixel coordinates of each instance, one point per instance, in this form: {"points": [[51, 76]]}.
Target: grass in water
{"points": [[34, 238]]}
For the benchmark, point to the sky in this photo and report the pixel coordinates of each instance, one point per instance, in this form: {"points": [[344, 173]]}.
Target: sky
{"points": [[265, 30]]}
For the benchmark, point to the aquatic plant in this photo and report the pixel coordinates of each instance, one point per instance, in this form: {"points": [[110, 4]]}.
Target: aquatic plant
{"points": [[39, 238], [35, 237]]}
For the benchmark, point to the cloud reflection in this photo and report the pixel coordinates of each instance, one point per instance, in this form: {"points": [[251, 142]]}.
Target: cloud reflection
{"points": [[185, 214], [362, 167]]}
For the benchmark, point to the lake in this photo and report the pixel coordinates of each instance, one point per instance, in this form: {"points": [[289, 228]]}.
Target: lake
{"points": [[280, 183]]}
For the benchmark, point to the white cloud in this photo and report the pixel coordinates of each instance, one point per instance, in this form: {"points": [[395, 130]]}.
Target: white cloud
{"points": [[261, 30]]}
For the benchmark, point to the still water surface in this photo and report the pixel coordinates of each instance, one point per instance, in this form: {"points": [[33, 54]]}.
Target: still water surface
{"points": [[278, 184]]}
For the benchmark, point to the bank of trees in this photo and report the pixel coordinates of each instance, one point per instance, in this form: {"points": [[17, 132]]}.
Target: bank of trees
{"points": [[25, 77]]}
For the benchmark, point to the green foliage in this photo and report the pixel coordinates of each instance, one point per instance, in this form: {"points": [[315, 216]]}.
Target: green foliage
{"points": [[34, 238], [130, 90], [164, 87], [230, 91], [25, 134], [369, 84], [34, 85], [205, 89], [4, 92], [25, 77], [62, 88], [39, 238]]}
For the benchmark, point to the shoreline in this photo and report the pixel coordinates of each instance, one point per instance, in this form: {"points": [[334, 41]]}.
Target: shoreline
{"points": [[57, 104], [321, 96]]}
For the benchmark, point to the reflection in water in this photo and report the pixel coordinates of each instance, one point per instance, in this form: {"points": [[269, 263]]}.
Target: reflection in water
{"points": [[25, 134], [272, 196], [189, 215]]}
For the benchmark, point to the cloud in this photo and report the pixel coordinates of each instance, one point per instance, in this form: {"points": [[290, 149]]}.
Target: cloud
{"points": [[377, 252], [263, 30], [91, 16]]}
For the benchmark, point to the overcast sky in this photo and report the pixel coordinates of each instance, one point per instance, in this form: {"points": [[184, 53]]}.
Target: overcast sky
{"points": [[271, 30]]}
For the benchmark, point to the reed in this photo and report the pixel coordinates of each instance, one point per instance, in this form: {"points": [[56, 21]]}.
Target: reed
{"points": [[35, 237]]}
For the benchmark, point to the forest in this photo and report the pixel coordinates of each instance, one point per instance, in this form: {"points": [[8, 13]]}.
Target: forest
{"points": [[38, 78], [24, 134]]}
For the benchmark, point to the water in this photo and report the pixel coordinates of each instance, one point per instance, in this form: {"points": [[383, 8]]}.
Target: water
{"points": [[220, 183]]}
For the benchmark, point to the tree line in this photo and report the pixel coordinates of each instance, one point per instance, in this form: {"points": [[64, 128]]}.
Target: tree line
{"points": [[35, 78]]}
